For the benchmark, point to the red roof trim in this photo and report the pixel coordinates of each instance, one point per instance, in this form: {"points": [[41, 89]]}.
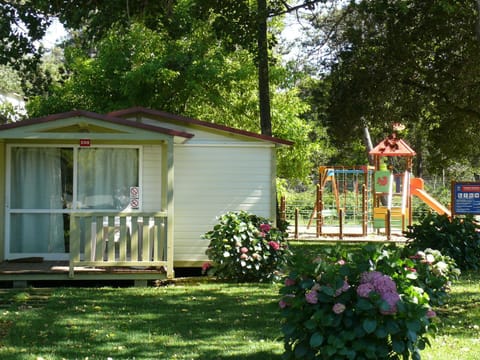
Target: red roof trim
{"points": [[188, 120], [392, 146], [93, 115]]}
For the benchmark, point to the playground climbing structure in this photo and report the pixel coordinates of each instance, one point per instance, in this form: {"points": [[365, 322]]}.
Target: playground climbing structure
{"points": [[394, 185], [378, 197]]}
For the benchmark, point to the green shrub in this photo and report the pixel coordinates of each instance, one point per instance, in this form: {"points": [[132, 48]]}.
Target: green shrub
{"points": [[364, 305], [245, 247], [458, 238], [434, 273]]}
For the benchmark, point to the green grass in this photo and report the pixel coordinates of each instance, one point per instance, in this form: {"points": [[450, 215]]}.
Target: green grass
{"points": [[459, 323], [190, 320]]}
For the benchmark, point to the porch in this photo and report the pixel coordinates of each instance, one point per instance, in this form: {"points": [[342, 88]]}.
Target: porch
{"points": [[104, 246]]}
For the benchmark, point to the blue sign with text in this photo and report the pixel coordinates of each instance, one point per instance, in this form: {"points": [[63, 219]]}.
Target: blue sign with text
{"points": [[466, 198]]}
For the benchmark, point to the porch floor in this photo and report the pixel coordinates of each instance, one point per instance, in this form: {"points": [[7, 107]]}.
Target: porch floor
{"points": [[18, 271]]}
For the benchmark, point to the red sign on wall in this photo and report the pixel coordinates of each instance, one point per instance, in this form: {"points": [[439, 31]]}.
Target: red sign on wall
{"points": [[85, 142]]}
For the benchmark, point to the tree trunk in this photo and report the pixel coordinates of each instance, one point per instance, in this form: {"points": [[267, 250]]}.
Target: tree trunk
{"points": [[478, 21], [263, 76]]}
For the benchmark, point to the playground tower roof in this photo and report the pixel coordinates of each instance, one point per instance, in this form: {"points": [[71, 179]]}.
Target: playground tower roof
{"points": [[393, 146]]}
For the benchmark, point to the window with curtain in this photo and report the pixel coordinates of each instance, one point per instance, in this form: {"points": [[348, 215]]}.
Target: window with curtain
{"points": [[36, 184], [43, 191], [105, 176]]}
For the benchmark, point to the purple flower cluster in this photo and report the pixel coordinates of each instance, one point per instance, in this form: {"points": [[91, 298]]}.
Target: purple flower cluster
{"points": [[343, 289], [311, 297], [381, 284]]}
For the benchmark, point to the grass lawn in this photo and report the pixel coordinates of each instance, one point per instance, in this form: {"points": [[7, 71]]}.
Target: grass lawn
{"points": [[191, 320]]}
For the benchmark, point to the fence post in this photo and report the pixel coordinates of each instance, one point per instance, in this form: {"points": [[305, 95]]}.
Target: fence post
{"points": [[364, 210], [296, 223], [388, 223], [340, 219], [319, 207], [283, 208]]}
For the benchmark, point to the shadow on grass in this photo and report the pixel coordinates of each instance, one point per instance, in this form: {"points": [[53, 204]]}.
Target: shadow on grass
{"points": [[461, 315], [208, 321]]}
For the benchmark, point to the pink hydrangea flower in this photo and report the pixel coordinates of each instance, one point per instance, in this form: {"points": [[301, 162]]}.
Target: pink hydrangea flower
{"points": [[274, 245], [265, 228], [243, 250], [391, 299], [311, 297], [370, 276], [431, 314], [341, 262], [338, 308], [383, 285], [364, 290], [206, 266], [343, 289], [285, 302]]}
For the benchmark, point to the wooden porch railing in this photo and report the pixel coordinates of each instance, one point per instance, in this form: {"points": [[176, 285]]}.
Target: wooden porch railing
{"points": [[119, 240]]}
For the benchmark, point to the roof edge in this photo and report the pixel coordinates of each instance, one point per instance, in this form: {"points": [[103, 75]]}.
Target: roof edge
{"points": [[188, 120], [95, 116]]}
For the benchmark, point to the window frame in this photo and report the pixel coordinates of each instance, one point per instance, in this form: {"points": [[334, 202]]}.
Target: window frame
{"points": [[68, 210]]}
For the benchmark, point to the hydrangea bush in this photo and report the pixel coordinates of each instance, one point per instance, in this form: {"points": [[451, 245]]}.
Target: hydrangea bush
{"points": [[245, 247], [365, 305], [434, 273], [457, 237]]}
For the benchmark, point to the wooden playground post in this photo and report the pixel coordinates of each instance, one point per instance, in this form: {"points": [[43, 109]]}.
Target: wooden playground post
{"points": [[364, 210], [296, 223], [388, 219], [319, 206], [340, 218]]}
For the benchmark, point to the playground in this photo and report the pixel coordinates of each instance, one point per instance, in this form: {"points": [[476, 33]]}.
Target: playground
{"points": [[365, 203]]}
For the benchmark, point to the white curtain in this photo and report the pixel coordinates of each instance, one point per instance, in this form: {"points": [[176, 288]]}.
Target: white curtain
{"points": [[36, 185], [105, 176]]}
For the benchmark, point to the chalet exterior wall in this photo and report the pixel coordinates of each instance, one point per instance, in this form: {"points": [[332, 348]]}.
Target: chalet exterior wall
{"points": [[190, 170], [215, 172], [211, 180], [151, 167]]}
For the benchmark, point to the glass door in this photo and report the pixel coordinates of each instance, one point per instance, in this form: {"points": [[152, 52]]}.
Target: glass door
{"points": [[47, 183]]}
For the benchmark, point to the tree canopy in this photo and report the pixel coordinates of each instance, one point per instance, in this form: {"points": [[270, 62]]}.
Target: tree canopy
{"points": [[412, 62], [369, 64], [193, 75]]}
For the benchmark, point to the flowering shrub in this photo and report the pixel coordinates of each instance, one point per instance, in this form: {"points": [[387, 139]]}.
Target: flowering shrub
{"points": [[245, 247], [434, 273], [355, 306], [457, 237]]}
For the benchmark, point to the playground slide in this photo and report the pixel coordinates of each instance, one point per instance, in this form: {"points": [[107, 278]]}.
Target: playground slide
{"points": [[430, 201]]}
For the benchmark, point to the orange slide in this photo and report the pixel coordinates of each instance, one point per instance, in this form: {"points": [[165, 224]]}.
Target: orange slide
{"points": [[416, 188]]}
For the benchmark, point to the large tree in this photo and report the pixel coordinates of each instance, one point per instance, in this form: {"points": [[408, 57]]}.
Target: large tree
{"points": [[193, 76], [237, 22], [187, 72], [414, 62]]}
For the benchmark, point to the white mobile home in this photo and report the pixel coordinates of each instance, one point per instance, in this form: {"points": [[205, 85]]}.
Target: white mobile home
{"points": [[132, 188]]}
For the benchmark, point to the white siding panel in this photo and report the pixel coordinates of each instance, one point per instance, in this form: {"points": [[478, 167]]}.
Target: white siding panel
{"points": [[212, 180], [151, 178]]}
